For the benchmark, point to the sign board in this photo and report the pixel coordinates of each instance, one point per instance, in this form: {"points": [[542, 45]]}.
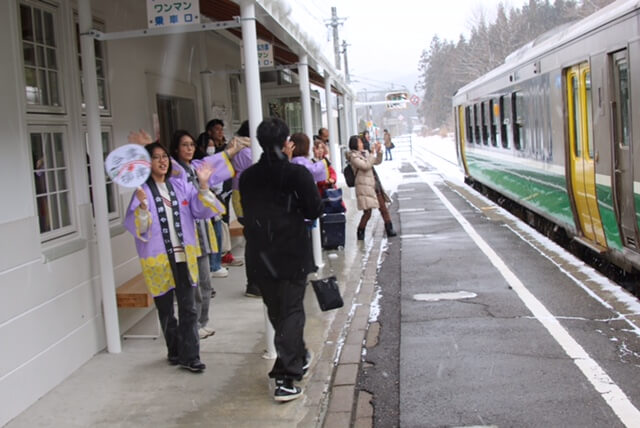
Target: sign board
{"points": [[265, 54], [164, 13], [415, 100], [396, 100]]}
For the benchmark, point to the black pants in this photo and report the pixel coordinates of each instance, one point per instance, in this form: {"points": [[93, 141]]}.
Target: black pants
{"points": [[286, 313], [181, 338]]}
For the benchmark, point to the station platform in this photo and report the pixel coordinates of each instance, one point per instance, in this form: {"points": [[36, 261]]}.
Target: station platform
{"points": [[137, 388]]}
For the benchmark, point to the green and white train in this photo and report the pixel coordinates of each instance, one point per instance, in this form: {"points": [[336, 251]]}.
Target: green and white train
{"points": [[553, 130]]}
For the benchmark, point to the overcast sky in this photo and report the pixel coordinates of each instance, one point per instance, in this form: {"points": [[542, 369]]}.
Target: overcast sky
{"points": [[386, 41]]}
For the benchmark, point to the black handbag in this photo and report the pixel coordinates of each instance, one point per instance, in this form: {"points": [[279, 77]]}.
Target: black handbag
{"points": [[327, 293]]}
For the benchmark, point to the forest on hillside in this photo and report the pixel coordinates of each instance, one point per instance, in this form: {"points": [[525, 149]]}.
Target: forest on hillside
{"points": [[446, 66]]}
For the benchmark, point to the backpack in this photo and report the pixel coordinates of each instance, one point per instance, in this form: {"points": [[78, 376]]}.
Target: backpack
{"points": [[349, 176]]}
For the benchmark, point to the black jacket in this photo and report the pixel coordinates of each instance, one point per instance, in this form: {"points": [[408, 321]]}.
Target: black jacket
{"points": [[277, 196]]}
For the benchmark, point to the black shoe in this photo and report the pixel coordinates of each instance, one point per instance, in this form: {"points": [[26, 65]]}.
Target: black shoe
{"points": [[360, 234], [213, 293], [173, 361], [195, 366], [389, 228], [308, 358], [252, 291], [286, 391]]}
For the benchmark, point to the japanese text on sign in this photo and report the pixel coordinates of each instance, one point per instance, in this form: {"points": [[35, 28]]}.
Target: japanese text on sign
{"points": [[265, 54], [163, 13]]}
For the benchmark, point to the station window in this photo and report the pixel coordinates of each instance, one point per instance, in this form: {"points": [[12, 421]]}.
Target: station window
{"points": [[101, 69], [234, 91], [51, 180], [42, 77]]}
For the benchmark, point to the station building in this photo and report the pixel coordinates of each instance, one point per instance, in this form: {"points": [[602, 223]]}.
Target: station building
{"points": [[56, 293]]}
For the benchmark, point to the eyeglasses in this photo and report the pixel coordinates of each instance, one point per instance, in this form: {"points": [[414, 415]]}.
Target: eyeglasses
{"points": [[159, 157]]}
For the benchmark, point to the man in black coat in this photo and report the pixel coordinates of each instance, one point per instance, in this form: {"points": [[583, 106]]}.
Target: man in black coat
{"points": [[277, 197]]}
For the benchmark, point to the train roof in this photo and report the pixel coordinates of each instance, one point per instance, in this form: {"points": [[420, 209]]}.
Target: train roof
{"points": [[557, 37]]}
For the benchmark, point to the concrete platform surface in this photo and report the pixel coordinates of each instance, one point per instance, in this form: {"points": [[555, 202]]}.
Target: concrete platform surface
{"points": [[139, 388]]}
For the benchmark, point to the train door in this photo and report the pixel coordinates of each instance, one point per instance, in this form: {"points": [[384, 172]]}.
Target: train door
{"points": [[581, 148], [622, 150]]}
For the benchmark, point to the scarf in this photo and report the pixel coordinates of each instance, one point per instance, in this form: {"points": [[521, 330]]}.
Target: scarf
{"points": [[164, 226]]}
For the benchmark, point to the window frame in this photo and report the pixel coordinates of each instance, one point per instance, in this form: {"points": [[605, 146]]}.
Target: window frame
{"points": [[56, 13], [53, 128]]}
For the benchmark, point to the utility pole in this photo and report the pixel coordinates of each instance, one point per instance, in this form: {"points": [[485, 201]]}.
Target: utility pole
{"points": [[334, 23], [346, 64]]}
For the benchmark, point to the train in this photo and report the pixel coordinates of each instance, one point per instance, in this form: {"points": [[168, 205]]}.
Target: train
{"points": [[552, 130]]}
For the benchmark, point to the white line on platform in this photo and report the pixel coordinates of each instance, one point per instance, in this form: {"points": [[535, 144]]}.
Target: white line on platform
{"points": [[608, 389]]}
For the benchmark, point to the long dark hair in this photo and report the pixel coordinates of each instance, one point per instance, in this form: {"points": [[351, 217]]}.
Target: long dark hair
{"points": [[353, 142], [151, 148], [201, 145], [175, 142]]}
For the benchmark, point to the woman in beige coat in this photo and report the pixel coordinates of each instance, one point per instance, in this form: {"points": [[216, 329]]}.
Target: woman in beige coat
{"points": [[369, 193]]}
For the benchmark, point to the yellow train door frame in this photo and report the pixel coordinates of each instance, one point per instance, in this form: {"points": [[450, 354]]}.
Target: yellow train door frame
{"points": [[581, 154], [462, 138]]}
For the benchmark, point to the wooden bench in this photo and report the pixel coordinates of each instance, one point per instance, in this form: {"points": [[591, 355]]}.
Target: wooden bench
{"points": [[235, 228], [134, 294]]}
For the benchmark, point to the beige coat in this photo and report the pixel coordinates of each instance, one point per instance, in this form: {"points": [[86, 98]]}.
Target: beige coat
{"points": [[362, 165]]}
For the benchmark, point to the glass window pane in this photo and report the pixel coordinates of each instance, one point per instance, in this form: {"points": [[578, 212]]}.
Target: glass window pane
{"points": [[29, 54], [65, 212], [26, 22], [40, 60], [54, 89], [48, 147], [42, 80], [51, 181], [43, 214], [30, 77], [577, 130], [49, 35], [60, 162], [623, 79], [589, 136], [111, 197], [55, 217], [52, 63], [97, 47], [38, 25], [62, 180]]}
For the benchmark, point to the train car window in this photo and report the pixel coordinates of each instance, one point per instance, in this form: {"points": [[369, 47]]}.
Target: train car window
{"points": [[485, 132], [576, 117], [492, 122], [504, 121], [516, 106], [622, 83], [469, 125], [588, 98], [476, 125]]}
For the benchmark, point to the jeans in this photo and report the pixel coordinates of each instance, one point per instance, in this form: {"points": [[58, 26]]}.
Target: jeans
{"points": [[203, 294], [215, 259], [286, 313], [181, 338], [387, 153]]}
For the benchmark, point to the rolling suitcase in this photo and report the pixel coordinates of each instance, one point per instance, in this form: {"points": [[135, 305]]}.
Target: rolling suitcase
{"points": [[332, 230]]}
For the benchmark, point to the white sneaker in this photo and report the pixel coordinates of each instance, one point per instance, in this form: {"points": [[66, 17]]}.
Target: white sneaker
{"points": [[220, 273]]}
